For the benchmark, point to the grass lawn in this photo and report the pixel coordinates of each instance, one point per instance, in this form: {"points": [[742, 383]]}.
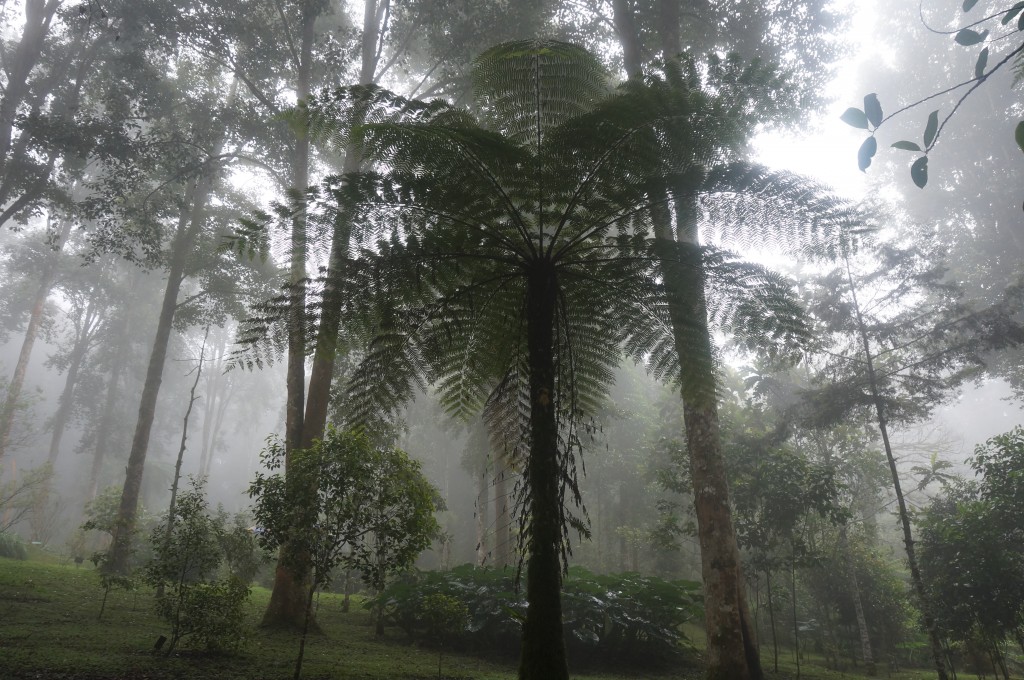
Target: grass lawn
{"points": [[49, 629]]}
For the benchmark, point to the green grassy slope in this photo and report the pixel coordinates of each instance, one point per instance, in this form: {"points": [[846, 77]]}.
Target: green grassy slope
{"points": [[49, 629]]}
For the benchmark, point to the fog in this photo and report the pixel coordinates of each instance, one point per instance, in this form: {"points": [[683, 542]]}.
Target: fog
{"points": [[210, 245]]}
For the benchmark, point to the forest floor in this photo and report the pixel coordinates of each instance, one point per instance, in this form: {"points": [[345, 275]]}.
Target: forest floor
{"points": [[49, 630]]}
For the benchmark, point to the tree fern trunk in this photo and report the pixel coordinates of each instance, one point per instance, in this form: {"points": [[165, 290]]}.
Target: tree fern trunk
{"points": [[543, 650]]}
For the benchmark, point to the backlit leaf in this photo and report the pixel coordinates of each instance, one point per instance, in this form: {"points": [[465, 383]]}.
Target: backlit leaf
{"points": [[1012, 12], [969, 5], [979, 67], [1019, 135], [866, 153], [906, 146], [967, 37], [919, 171], [873, 109], [855, 117], [931, 128]]}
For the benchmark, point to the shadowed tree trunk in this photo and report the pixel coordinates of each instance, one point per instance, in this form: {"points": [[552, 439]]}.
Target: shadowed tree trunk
{"points": [[502, 516], [189, 226], [287, 606], [543, 649]]}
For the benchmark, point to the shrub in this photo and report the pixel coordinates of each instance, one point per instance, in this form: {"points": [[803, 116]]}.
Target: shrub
{"points": [[620, 618], [211, 614], [11, 547], [186, 558]]}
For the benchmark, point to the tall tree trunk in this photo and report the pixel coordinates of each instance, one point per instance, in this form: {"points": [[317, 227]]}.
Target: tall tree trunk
{"points": [[543, 649], [287, 606], [83, 341], [482, 525], [109, 406], [732, 651], [502, 516], [35, 320], [306, 418], [189, 226], [908, 538]]}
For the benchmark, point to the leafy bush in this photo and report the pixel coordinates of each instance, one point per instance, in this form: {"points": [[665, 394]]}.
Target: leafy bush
{"points": [[186, 558], [619, 618], [212, 614], [11, 547]]}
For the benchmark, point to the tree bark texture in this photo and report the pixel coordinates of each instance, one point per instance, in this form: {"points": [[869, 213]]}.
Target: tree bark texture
{"points": [[543, 649], [732, 650]]}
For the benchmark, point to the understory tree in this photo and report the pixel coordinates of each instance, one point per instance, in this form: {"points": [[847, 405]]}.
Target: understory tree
{"points": [[343, 501]]}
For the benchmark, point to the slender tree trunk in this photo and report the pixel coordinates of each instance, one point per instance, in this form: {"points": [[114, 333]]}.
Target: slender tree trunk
{"points": [[107, 419], [83, 341], [502, 516], [858, 604], [482, 525], [543, 649], [189, 227], [796, 623], [771, 618], [908, 538], [169, 528], [35, 320]]}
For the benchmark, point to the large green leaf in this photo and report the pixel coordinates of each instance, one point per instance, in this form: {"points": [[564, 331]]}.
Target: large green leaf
{"points": [[931, 129], [919, 171], [855, 117], [866, 153], [1019, 135], [906, 146], [968, 37], [873, 109], [979, 66], [1012, 12]]}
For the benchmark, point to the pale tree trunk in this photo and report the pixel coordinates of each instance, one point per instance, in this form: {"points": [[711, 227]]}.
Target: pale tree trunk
{"points": [[482, 504], [287, 606], [189, 226], [732, 650], [35, 320], [858, 604], [306, 418], [502, 513], [106, 423], [86, 333], [908, 538]]}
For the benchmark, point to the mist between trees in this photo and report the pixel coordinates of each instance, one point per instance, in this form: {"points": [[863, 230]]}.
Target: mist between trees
{"points": [[512, 254]]}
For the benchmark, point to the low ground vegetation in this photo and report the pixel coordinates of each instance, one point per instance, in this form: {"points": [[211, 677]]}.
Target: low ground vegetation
{"points": [[48, 629]]}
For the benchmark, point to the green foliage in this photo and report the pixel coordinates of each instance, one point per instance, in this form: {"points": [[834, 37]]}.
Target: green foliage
{"points": [[971, 554], [243, 556], [344, 501], [211, 614], [186, 557], [12, 547], [622, 618]]}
